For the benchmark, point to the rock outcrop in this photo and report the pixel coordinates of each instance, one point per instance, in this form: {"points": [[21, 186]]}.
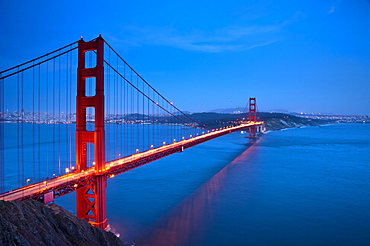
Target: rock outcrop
{"points": [[32, 223]]}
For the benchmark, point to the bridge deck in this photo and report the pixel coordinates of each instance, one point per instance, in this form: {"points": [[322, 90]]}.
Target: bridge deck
{"points": [[70, 182]]}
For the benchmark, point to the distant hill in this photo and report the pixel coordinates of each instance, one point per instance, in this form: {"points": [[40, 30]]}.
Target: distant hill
{"points": [[228, 110], [273, 121]]}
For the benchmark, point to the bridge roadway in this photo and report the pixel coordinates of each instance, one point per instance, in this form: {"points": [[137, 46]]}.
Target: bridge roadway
{"points": [[67, 183]]}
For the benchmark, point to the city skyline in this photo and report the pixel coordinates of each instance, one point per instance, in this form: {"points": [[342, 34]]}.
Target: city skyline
{"points": [[311, 56]]}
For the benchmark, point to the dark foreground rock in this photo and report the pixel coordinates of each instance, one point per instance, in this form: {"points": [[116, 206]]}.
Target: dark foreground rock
{"points": [[32, 223]]}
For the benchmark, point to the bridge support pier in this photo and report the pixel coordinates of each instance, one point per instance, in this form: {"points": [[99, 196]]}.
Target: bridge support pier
{"points": [[91, 200]]}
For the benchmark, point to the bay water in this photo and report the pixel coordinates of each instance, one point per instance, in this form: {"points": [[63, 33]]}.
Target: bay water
{"points": [[306, 186]]}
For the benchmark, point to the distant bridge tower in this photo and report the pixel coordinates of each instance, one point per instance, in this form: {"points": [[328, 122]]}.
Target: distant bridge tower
{"points": [[252, 117], [91, 200]]}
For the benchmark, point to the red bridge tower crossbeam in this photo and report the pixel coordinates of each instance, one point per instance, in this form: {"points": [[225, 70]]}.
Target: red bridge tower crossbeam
{"points": [[91, 200]]}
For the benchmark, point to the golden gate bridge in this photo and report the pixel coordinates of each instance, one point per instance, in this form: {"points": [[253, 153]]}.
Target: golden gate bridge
{"points": [[66, 130]]}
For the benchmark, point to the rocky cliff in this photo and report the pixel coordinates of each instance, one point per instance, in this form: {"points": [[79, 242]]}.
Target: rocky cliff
{"points": [[32, 223]]}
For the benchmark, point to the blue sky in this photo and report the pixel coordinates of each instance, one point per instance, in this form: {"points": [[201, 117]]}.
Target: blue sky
{"points": [[302, 56]]}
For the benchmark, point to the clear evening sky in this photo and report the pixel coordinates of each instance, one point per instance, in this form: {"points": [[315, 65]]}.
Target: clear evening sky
{"points": [[302, 56]]}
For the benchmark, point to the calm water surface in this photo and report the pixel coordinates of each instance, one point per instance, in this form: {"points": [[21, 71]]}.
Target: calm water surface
{"points": [[307, 186]]}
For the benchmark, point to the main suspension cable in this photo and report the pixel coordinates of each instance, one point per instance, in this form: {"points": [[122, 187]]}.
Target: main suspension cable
{"points": [[153, 88]]}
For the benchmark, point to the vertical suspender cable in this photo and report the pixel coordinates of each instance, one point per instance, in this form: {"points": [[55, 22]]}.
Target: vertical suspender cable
{"points": [[147, 106], [71, 132], [137, 137], [66, 111], [122, 83], [53, 120], [39, 125], [59, 115], [2, 118], [125, 111], [143, 118], [33, 125], [107, 111], [47, 120], [127, 126], [131, 113], [116, 111], [18, 131], [54, 159], [71, 97], [22, 129]]}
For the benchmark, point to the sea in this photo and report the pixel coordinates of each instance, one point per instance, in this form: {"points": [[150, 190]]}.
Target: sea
{"points": [[301, 186]]}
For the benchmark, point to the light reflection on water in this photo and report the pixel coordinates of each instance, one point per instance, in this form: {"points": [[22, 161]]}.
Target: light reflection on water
{"points": [[184, 224]]}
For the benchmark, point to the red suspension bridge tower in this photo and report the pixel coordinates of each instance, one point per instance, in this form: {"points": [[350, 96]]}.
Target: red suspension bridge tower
{"points": [[91, 200], [252, 117]]}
